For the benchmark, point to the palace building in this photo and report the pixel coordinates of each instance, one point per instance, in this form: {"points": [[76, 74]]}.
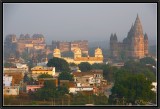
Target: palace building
{"points": [[135, 45], [77, 59]]}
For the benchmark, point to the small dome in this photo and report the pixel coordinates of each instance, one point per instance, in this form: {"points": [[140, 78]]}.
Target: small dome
{"points": [[56, 50], [98, 50]]}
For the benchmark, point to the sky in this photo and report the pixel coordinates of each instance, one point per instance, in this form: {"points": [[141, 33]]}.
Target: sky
{"points": [[78, 21]]}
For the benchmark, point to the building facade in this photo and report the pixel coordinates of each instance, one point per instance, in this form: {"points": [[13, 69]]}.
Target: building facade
{"points": [[11, 90], [38, 70], [65, 46], [7, 80], [77, 59], [135, 45]]}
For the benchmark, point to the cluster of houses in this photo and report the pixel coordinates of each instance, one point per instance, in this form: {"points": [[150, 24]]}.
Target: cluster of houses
{"points": [[13, 83], [85, 82]]}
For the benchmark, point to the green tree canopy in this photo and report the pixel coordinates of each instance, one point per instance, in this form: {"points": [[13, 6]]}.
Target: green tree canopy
{"points": [[65, 76], [61, 65], [49, 84], [45, 76], [137, 67], [72, 64], [131, 88], [84, 66], [148, 60], [26, 78]]}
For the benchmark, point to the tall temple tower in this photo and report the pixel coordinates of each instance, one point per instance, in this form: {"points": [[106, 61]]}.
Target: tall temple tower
{"points": [[134, 45], [137, 43], [114, 45]]}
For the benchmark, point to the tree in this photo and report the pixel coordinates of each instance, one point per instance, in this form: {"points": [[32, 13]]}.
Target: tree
{"points": [[130, 88], [84, 66], [49, 84], [72, 64], [148, 60], [45, 76], [108, 72], [65, 76], [97, 66], [138, 67], [25, 78], [49, 91], [60, 64]]}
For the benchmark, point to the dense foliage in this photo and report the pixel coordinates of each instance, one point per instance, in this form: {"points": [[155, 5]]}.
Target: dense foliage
{"points": [[45, 76], [60, 64], [84, 66], [65, 76], [49, 92], [131, 88], [148, 60]]}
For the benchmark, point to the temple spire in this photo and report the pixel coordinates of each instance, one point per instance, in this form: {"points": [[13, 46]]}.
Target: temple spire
{"points": [[138, 27]]}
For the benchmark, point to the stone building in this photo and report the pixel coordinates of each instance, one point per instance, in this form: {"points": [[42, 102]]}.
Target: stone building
{"points": [[65, 46], [135, 45], [77, 59]]}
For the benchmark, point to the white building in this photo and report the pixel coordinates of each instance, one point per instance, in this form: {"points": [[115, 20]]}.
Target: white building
{"points": [[22, 66], [7, 80], [155, 86], [74, 89], [11, 90]]}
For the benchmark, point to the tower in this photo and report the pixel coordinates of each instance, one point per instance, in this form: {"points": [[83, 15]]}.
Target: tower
{"points": [[145, 44], [98, 53], [77, 53], [114, 45], [137, 40], [56, 53]]}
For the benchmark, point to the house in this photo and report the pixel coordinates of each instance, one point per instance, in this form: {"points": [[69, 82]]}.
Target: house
{"points": [[11, 90], [22, 66], [33, 88], [91, 78], [7, 80], [17, 77], [73, 88], [38, 70]]}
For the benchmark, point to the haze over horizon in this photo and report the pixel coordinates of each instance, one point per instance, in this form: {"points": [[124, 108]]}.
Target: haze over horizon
{"points": [[78, 21]]}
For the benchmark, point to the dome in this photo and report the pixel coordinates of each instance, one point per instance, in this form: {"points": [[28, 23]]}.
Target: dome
{"points": [[56, 50], [98, 50]]}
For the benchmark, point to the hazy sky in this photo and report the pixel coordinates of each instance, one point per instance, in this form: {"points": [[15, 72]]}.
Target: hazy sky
{"points": [[71, 21]]}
